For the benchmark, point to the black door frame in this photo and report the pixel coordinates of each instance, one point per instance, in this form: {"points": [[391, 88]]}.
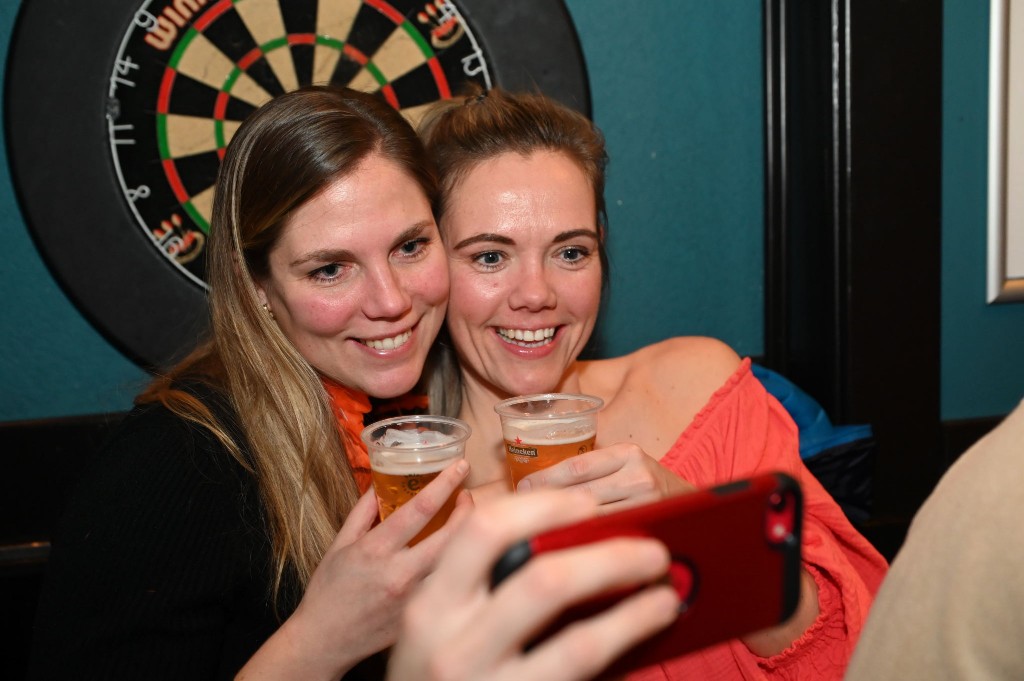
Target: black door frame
{"points": [[853, 111]]}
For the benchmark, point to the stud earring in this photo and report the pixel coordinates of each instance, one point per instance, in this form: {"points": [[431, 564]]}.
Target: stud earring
{"points": [[268, 311]]}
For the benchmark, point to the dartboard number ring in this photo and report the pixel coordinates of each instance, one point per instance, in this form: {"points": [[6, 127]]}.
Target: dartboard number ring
{"points": [[185, 78]]}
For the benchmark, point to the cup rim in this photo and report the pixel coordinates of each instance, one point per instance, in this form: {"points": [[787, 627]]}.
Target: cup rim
{"points": [[451, 420], [596, 402]]}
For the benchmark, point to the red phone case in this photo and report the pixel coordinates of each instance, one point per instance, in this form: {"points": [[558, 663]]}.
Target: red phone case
{"points": [[735, 561]]}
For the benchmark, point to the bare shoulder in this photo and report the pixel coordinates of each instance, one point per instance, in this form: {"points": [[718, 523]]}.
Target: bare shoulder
{"points": [[679, 375], [694, 360], [684, 363], [652, 393]]}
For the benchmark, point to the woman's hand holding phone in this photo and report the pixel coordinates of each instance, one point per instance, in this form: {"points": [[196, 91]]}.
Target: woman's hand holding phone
{"points": [[457, 628], [736, 566]]}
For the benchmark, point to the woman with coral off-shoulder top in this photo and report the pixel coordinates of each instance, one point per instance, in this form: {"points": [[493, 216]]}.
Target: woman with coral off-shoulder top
{"points": [[522, 217]]}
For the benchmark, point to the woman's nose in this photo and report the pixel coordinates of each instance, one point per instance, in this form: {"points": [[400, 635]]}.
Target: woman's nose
{"points": [[532, 291], [386, 296]]}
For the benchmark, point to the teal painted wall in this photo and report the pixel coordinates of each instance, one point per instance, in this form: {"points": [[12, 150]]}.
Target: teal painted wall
{"points": [[982, 345], [52, 362], [676, 86]]}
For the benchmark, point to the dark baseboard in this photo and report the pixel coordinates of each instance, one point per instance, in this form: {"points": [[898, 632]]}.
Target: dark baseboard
{"points": [[41, 463]]}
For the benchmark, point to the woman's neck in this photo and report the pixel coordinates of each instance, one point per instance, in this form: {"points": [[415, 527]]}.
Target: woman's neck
{"points": [[485, 450]]}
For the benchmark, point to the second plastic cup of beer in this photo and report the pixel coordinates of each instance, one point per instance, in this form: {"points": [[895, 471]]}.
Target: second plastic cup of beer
{"points": [[541, 430], [406, 453]]}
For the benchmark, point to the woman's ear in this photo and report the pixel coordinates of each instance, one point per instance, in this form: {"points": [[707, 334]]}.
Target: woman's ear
{"points": [[261, 293], [241, 272]]}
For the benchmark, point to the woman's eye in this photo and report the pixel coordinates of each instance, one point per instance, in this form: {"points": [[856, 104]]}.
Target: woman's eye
{"points": [[488, 258], [413, 247], [574, 253], [327, 272]]}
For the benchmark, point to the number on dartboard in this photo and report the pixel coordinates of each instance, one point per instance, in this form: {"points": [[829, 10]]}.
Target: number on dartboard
{"points": [[188, 72]]}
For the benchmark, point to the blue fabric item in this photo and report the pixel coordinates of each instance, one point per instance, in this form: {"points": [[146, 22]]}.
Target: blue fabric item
{"points": [[817, 434]]}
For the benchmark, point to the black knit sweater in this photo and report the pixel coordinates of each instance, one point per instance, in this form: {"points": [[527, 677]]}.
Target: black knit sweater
{"points": [[160, 568]]}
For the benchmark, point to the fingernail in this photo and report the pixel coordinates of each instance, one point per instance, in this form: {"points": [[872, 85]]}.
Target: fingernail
{"points": [[524, 486], [461, 467]]}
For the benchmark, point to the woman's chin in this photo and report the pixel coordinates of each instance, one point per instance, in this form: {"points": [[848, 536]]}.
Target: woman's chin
{"points": [[528, 387], [387, 393]]}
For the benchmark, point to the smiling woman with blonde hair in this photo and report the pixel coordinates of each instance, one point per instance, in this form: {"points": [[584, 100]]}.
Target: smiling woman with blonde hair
{"points": [[227, 522]]}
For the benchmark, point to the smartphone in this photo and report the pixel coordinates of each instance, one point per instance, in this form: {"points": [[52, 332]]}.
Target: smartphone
{"points": [[735, 552]]}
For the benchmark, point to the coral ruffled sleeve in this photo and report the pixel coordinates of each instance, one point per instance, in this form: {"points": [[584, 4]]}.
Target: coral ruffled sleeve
{"points": [[742, 431]]}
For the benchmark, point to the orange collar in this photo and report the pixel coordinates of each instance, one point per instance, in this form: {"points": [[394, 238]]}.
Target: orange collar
{"points": [[349, 407]]}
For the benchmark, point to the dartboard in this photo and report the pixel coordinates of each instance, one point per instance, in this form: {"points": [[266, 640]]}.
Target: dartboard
{"points": [[118, 117]]}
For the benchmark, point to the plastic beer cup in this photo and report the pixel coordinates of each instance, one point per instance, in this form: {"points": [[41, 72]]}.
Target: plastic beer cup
{"points": [[406, 453], [542, 430]]}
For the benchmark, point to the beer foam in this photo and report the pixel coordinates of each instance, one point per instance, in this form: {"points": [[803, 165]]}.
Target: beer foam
{"points": [[401, 438], [400, 466], [550, 431]]}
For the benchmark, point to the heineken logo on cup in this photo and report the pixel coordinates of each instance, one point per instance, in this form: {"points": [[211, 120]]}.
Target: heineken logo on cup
{"points": [[521, 451], [542, 430]]}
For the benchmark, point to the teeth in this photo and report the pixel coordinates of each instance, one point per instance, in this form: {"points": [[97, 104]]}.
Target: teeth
{"points": [[528, 337], [389, 343]]}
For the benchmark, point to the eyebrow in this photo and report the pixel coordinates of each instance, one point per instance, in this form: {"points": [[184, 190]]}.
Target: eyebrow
{"points": [[575, 234], [481, 238], [323, 255], [499, 239], [334, 254]]}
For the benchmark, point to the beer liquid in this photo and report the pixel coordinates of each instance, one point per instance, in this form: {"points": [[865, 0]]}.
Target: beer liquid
{"points": [[526, 457], [394, 489]]}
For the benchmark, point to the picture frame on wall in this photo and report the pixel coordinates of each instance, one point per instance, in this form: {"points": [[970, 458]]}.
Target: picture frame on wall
{"points": [[1005, 272]]}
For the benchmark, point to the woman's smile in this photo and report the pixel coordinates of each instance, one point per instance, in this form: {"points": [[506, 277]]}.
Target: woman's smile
{"points": [[392, 343], [527, 338]]}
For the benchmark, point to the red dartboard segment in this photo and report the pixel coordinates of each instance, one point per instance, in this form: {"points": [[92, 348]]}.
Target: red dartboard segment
{"points": [[389, 94], [354, 54], [174, 180], [442, 83], [249, 59], [301, 39], [212, 14], [387, 10]]}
